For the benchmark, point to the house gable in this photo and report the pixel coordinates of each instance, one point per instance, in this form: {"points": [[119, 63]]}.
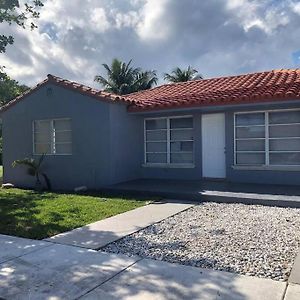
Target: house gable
{"points": [[72, 86]]}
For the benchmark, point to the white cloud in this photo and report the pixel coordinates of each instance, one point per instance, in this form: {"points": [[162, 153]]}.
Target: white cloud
{"points": [[217, 37], [262, 14], [99, 20], [152, 25], [296, 7], [129, 19]]}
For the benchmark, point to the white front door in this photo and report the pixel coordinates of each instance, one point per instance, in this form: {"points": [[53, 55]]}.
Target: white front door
{"points": [[213, 146]]}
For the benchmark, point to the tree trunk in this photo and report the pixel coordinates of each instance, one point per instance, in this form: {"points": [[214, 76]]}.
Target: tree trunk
{"points": [[38, 184]]}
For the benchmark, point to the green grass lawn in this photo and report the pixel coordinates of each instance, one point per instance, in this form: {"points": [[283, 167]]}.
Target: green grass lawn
{"points": [[34, 215]]}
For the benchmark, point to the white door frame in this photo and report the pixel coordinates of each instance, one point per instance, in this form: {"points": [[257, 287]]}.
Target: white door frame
{"points": [[213, 146]]}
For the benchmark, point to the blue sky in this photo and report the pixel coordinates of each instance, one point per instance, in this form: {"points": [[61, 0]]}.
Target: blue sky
{"points": [[217, 37]]}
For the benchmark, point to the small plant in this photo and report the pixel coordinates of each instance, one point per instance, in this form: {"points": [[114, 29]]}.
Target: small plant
{"points": [[34, 169]]}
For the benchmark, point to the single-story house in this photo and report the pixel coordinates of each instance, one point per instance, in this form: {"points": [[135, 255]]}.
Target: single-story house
{"points": [[242, 128]]}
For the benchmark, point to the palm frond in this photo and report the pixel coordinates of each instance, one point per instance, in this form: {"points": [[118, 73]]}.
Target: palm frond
{"points": [[101, 80], [181, 75], [34, 169], [30, 162], [122, 78]]}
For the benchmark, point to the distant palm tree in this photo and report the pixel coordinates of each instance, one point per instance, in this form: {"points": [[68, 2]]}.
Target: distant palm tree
{"points": [[181, 75], [145, 80], [122, 78]]}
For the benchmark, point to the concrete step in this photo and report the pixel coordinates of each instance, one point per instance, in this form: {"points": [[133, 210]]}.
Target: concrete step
{"points": [[251, 198], [279, 200]]}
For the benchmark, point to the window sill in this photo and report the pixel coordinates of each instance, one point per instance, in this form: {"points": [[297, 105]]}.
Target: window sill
{"points": [[170, 166], [54, 154], [267, 168]]}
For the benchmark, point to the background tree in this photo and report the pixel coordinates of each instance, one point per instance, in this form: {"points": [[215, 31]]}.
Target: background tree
{"points": [[181, 75], [9, 88], [122, 78], [1, 147], [12, 13]]}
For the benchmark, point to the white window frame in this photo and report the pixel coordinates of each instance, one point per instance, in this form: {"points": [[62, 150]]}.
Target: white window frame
{"points": [[52, 143], [168, 141], [267, 141]]}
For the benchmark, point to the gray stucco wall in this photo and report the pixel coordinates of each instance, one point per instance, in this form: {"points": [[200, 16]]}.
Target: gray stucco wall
{"points": [[99, 141], [234, 175], [126, 140]]}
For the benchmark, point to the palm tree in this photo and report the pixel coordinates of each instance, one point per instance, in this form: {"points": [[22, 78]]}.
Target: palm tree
{"points": [[181, 75], [34, 168], [122, 78], [145, 80]]}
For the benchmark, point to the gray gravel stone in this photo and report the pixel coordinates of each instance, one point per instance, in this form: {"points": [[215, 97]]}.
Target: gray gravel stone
{"points": [[246, 239]]}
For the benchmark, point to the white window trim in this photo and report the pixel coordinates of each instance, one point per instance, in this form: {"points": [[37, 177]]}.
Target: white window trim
{"points": [[267, 139], [51, 141], [168, 129]]}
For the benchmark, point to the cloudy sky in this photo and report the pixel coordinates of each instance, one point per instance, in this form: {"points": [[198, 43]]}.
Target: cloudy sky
{"points": [[217, 37]]}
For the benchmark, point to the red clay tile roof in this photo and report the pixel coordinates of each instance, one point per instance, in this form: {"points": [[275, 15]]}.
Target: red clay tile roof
{"points": [[275, 85], [80, 88], [249, 88]]}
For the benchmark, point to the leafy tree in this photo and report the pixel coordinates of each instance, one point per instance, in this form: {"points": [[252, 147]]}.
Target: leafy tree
{"points": [[122, 78], [181, 75], [1, 151], [12, 13], [9, 88]]}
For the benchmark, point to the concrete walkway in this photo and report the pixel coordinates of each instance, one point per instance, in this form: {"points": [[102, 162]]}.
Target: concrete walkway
{"points": [[150, 279], [101, 233], [43, 270], [293, 290]]}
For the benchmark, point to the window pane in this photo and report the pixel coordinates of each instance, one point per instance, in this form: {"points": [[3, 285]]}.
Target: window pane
{"points": [[250, 119], [285, 144], [156, 158], [160, 135], [250, 145], [284, 117], [42, 137], [63, 137], [285, 130], [156, 147], [182, 158], [285, 158], [250, 132], [181, 123], [63, 148], [181, 146], [62, 124], [250, 158], [186, 134], [156, 124], [42, 126], [42, 148]]}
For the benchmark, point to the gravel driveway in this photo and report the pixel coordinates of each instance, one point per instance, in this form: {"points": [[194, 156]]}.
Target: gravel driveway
{"points": [[246, 239]]}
